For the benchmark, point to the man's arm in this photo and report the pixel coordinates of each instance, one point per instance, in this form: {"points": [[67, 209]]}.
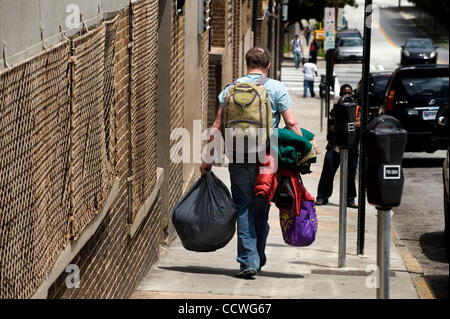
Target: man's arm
{"points": [[291, 121], [216, 126]]}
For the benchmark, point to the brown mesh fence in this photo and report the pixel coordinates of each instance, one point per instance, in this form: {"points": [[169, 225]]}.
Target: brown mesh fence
{"points": [[109, 111], [91, 170], [57, 144], [34, 169], [143, 100]]}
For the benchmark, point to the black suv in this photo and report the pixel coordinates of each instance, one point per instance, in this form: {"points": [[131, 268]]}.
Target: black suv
{"points": [[377, 88], [413, 96], [418, 51]]}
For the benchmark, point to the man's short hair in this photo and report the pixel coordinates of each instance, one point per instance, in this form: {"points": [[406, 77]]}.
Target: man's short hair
{"points": [[343, 87], [258, 58], [310, 60]]}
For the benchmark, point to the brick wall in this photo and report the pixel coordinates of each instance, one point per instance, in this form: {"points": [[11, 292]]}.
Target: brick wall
{"points": [[237, 32], [261, 26], [218, 22]]}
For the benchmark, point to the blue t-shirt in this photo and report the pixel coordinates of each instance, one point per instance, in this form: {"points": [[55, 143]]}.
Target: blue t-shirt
{"points": [[279, 97]]}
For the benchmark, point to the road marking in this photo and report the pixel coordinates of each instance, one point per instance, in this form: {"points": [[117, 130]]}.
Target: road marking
{"points": [[387, 37], [413, 267]]}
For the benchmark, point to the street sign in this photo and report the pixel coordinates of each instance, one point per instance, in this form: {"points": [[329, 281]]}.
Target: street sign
{"points": [[284, 12], [330, 23], [329, 42], [330, 27], [319, 35]]}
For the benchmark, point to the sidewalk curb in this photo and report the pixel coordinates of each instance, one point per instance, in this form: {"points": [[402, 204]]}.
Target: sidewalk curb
{"points": [[412, 266]]}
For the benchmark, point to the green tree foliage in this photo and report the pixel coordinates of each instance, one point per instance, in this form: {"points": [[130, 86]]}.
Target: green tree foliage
{"points": [[307, 9], [437, 8]]}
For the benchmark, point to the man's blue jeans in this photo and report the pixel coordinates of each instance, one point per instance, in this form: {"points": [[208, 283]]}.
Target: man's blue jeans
{"points": [[308, 85], [297, 59], [252, 216]]}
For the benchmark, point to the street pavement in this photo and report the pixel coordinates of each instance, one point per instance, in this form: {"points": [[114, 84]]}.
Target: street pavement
{"points": [[291, 272]]}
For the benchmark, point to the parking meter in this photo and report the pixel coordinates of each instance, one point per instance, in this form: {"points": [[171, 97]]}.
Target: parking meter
{"points": [[385, 143], [323, 85], [345, 114], [345, 135], [323, 89]]}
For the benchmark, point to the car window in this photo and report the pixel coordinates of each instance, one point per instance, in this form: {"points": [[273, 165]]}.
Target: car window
{"points": [[380, 84], [437, 87], [350, 43], [419, 43]]}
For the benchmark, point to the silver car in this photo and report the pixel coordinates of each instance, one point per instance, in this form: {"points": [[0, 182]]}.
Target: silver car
{"points": [[349, 49]]}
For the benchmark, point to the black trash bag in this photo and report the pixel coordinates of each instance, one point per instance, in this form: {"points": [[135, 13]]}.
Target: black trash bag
{"points": [[205, 218]]}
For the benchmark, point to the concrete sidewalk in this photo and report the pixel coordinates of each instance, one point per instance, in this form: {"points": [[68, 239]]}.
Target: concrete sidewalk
{"points": [[291, 272]]}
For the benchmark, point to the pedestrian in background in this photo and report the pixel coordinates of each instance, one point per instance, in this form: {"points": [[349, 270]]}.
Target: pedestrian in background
{"points": [[296, 45], [310, 70], [332, 160], [307, 34], [313, 50]]}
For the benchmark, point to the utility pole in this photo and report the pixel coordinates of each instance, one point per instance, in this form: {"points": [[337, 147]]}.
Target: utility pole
{"points": [[364, 119]]}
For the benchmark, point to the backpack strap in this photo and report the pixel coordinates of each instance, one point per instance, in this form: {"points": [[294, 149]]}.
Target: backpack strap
{"points": [[262, 80]]}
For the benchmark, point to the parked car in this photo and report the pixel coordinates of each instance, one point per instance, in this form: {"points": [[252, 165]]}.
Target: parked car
{"points": [[413, 96], [349, 33], [377, 88], [418, 51], [443, 130], [349, 49]]}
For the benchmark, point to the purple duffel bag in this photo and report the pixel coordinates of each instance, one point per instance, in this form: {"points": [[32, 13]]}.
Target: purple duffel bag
{"points": [[300, 230]]}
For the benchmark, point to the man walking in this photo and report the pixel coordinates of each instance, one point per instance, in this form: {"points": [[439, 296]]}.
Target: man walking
{"points": [[310, 70], [252, 212], [313, 50], [332, 160], [296, 44]]}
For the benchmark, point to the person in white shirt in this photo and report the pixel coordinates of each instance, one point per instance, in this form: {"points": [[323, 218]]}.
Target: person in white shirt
{"points": [[296, 44], [310, 70]]}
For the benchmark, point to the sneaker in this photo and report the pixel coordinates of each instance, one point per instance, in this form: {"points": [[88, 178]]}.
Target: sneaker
{"points": [[320, 201], [352, 204], [247, 273]]}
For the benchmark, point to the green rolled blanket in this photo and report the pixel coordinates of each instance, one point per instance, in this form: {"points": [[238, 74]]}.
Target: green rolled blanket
{"points": [[293, 149]]}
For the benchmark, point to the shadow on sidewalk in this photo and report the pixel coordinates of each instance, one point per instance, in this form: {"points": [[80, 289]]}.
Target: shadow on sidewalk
{"points": [[227, 272]]}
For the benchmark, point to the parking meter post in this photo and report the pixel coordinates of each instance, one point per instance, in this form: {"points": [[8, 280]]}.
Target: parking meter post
{"points": [[343, 207], [383, 251], [345, 134], [328, 81], [321, 114]]}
